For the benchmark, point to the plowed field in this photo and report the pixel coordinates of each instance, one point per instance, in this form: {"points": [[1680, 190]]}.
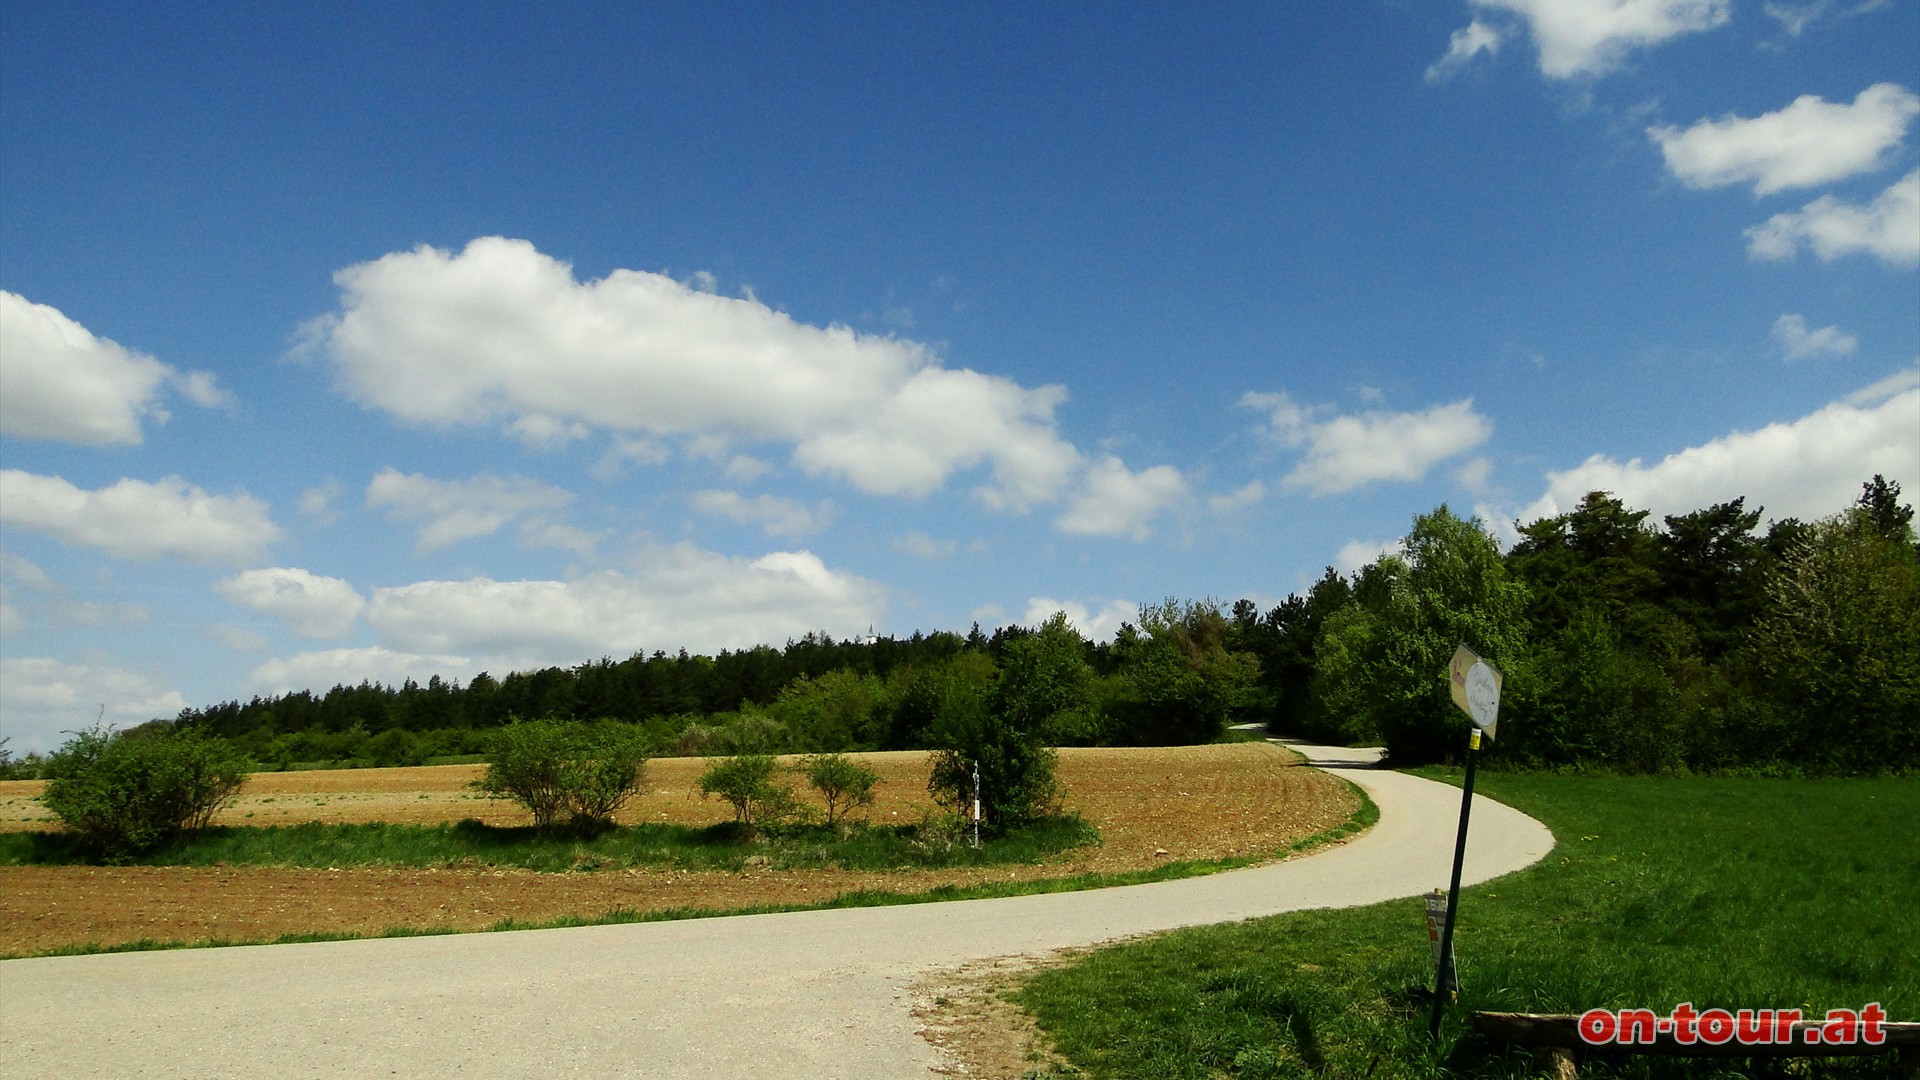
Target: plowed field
{"points": [[1150, 804]]}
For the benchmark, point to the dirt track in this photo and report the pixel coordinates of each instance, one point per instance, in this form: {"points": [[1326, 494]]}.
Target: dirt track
{"points": [[1150, 804]]}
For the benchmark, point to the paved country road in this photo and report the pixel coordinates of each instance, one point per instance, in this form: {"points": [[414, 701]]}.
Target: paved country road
{"points": [[805, 995]]}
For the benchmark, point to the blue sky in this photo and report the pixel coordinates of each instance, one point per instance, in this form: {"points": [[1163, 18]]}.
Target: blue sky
{"points": [[376, 342]]}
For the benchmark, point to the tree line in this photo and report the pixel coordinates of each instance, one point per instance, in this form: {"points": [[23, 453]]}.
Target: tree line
{"points": [[1704, 642]]}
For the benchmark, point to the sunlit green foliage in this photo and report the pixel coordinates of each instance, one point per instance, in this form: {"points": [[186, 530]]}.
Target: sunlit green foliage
{"points": [[564, 773], [750, 782], [843, 783], [122, 793]]}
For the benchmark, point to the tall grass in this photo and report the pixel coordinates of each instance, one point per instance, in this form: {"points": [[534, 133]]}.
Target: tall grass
{"points": [[1723, 892]]}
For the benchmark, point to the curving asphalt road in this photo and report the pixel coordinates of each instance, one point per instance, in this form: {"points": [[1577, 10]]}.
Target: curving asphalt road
{"points": [[807, 994]]}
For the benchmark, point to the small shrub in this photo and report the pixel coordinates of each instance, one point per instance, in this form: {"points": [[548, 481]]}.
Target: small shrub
{"points": [[1015, 765], [577, 773], [842, 782], [747, 781], [123, 794]]}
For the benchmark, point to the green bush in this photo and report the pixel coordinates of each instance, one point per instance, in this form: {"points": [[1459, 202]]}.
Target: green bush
{"points": [[843, 782], [579, 773], [747, 781], [125, 793], [1017, 784]]}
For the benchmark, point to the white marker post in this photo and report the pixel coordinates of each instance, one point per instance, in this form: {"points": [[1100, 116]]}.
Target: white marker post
{"points": [[1475, 686], [976, 804]]}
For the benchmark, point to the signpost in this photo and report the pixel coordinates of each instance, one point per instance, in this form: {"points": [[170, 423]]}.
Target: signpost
{"points": [[1437, 918], [1475, 685], [976, 804]]}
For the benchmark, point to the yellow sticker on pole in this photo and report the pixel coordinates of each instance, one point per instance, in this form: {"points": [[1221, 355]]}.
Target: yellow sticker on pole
{"points": [[1475, 686]]}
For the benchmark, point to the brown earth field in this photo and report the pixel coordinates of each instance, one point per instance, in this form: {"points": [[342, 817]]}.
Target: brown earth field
{"points": [[1150, 804]]}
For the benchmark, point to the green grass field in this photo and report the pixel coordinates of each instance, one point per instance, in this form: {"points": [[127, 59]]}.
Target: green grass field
{"points": [[1754, 893]]}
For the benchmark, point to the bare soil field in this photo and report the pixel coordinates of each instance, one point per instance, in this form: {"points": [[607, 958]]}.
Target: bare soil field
{"points": [[1150, 804]]}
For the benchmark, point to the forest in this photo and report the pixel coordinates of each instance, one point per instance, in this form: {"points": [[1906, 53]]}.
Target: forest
{"points": [[1701, 642]]}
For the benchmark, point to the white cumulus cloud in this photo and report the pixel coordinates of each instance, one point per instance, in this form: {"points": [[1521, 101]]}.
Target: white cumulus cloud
{"points": [[1113, 500], [776, 516], [1355, 554], [1808, 143], [1807, 468], [324, 669], [46, 698], [1800, 343], [501, 333], [449, 511], [60, 382], [1344, 452], [134, 519], [312, 605], [317, 503], [1239, 499], [1466, 43], [1094, 626], [670, 598], [1593, 37], [1795, 19], [1887, 228]]}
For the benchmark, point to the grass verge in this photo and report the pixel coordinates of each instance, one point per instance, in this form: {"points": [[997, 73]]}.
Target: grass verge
{"points": [[1723, 892], [1362, 819]]}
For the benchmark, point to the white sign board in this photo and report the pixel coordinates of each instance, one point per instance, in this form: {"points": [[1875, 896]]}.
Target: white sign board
{"points": [[1475, 685]]}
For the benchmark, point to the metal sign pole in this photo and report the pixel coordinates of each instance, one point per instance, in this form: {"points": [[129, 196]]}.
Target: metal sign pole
{"points": [[1444, 979]]}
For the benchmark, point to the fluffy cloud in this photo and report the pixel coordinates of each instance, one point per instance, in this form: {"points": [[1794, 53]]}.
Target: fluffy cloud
{"points": [[775, 516], [1808, 143], [1246, 496], [669, 599], [1808, 468], [1888, 228], [314, 606], [1474, 474], [327, 668], [317, 503], [1466, 43], [1800, 343], [1592, 37], [1794, 19], [1345, 452], [1355, 554], [501, 333], [47, 698], [1116, 501], [60, 382], [137, 520], [674, 597], [450, 511], [1096, 627]]}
